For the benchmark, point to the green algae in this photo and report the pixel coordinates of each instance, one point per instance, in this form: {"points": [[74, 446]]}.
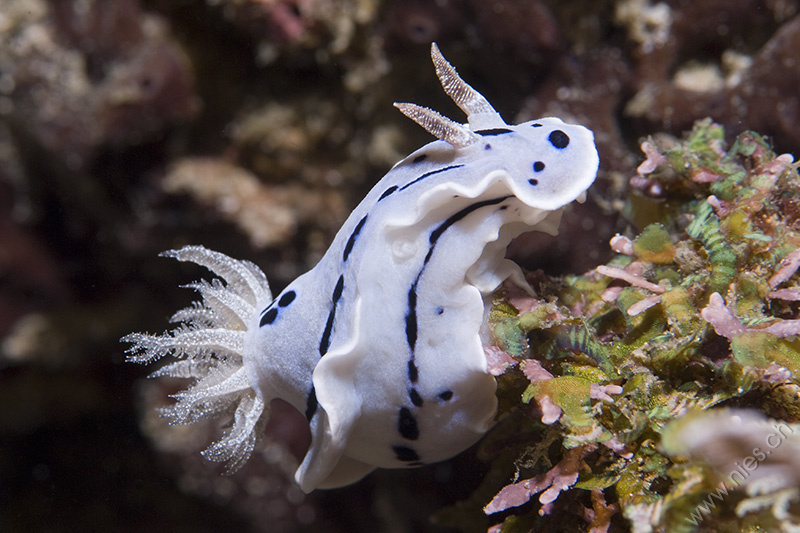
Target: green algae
{"points": [[628, 359]]}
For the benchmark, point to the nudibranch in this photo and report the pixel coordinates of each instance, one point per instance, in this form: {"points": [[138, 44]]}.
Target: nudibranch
{"points": [[379, 344]]}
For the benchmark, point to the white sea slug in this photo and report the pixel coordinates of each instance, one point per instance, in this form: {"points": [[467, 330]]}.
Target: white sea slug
{"points": [[379, 344]]}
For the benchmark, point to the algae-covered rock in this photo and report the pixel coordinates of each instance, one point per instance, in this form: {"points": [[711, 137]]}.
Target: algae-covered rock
{"points": [[696, 312]]}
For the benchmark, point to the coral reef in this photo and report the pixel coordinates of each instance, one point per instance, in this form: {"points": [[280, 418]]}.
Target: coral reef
{"points": [[81, 74], [252, 127], [748, 453], [734, 88], [619, 352]]}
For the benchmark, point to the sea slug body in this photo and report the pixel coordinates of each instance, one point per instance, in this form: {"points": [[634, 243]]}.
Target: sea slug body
{"points": [[379, 343]]}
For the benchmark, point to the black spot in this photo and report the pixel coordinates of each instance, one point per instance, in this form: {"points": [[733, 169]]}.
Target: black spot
{"points": [[493, 131], [407, 424], [487, 147], [420, 158], [411, 317], [439, 310], [533, 181], [311, 404], [352, 240], [446, 395], [387, 192], [405, 454], [416, 399], [538, 166], [337, 291], [559, 139], [287, 298], [536, 125], [427, 174], [268, 318], [413, 373]]}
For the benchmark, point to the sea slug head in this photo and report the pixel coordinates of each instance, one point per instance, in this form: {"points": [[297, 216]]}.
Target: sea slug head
{"points": [[546, 163]]}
